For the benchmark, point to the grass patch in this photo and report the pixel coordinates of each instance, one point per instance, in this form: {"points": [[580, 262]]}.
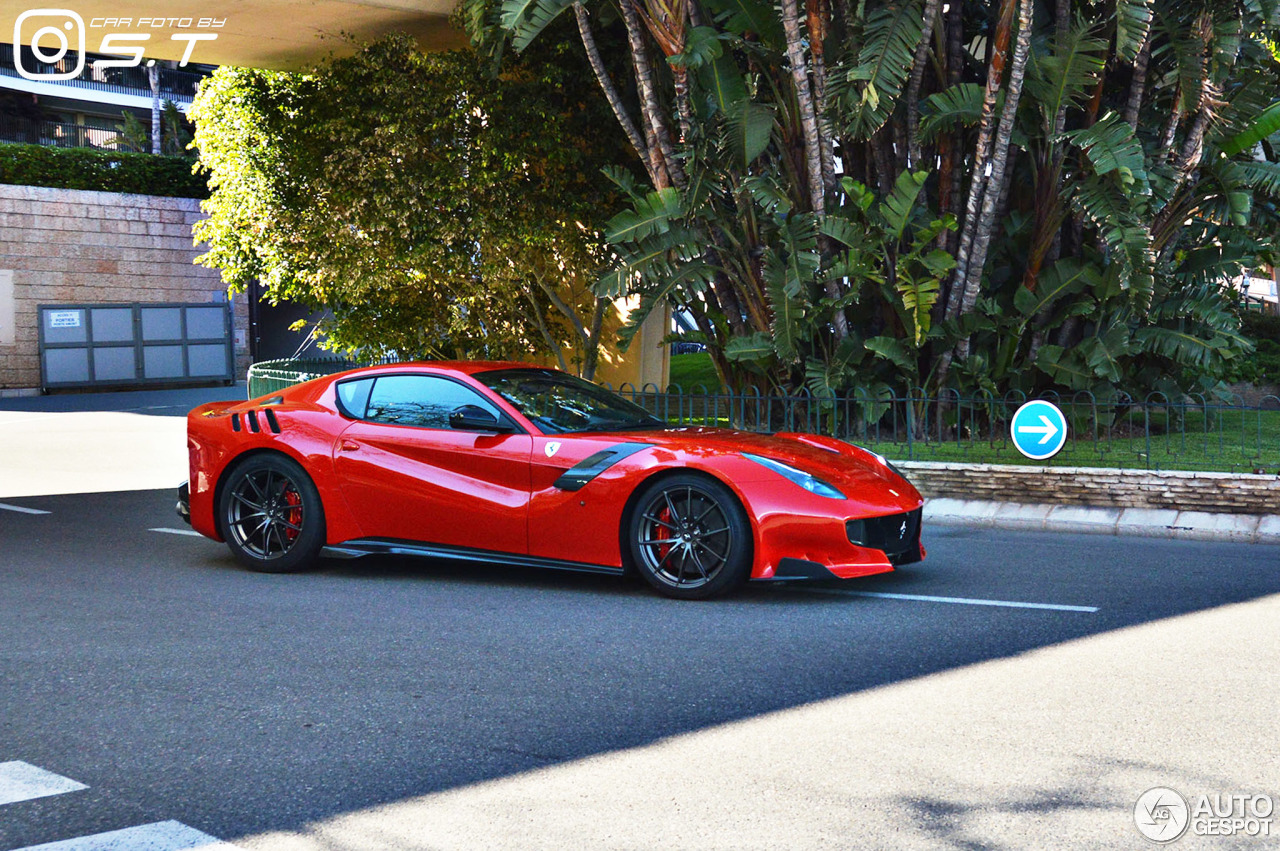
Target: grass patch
{"points": [[1219, 440], [688, 371]]}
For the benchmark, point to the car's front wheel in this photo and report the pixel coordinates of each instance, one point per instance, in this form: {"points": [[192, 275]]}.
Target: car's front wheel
{"points": [[270, 514], [689, 537]]}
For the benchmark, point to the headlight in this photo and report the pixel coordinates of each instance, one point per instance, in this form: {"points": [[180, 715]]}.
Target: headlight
{"points": [[885, 461], [810, 483]]}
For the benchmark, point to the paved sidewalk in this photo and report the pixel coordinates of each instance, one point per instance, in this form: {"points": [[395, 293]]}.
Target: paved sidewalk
{"points": [[1045, 749], [1146, 522], [98, 442]]}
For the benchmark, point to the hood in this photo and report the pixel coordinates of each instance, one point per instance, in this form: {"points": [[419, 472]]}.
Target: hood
{"points": [[849, 468]]}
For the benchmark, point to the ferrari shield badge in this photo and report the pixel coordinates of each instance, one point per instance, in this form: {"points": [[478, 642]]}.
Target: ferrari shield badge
{"points": [[552, 448]]}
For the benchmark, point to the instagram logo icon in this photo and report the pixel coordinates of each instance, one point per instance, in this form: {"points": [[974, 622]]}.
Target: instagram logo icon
{"points": [[49, 25]]}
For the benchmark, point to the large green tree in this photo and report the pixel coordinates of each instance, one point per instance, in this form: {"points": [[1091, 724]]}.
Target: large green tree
{"points": [[433, 208], [984, 195]]}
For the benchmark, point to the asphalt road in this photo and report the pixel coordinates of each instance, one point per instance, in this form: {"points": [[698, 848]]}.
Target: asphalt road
{"points": [[390, 703]]}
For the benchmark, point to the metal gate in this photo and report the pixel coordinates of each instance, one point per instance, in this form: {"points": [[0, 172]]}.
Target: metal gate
{"points": [[96, 345]]}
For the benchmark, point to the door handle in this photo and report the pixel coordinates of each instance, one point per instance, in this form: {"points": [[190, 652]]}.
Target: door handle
{"points": [[349, 446]]}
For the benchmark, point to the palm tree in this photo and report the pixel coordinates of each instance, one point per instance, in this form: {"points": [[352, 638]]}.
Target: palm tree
{"points": [[859, 195]]}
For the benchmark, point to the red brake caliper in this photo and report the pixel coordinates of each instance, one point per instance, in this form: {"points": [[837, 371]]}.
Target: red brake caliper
{"points": [[295, 512], [662, 533]]}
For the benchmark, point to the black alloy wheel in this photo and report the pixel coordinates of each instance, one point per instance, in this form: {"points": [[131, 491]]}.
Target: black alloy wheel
{"points": [[689, 537], [270, 514]]}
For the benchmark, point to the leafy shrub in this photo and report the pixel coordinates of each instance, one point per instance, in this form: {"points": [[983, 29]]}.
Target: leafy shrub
{"points": [[1263, 366], [101, 171]]}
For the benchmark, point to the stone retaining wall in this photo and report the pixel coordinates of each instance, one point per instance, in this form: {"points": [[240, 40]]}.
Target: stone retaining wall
{"points": [[69, 245], [1231, 493]]}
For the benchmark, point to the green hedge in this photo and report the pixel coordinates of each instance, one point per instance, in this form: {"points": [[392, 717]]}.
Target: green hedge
{"points": [[101, 171], [1263, 366]]}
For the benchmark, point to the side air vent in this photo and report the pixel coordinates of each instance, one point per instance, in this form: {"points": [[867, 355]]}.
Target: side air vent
{"points": [[253, 422], [272, 422], [235, 422]]}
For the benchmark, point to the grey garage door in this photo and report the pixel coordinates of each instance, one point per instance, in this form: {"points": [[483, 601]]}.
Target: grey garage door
{"points": [[90, 345]]}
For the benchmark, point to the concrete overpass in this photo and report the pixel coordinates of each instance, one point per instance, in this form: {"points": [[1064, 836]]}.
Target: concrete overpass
{"points": [[256, 33]]}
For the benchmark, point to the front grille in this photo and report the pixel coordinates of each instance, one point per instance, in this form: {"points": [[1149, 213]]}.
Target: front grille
{"points": [[897, 535]]}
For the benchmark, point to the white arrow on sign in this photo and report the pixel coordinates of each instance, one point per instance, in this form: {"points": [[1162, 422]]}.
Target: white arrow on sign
{"points": [[1048, 430]]}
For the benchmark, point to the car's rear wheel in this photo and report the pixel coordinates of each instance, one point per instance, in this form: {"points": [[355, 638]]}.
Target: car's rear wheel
{"points": [[689, 537], [270, 514]]}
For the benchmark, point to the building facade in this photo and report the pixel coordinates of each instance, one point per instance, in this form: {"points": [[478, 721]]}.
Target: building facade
{"points": [[67, 246]]}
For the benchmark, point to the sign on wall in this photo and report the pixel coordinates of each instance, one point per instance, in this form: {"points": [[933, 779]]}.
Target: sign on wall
{"points": [[64, 318], [8, 314]]}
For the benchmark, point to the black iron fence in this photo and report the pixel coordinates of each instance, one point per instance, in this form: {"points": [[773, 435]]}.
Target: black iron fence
{"points": [[56, 134], [1152, 431]]}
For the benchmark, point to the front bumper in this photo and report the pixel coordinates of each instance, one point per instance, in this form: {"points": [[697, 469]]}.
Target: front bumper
{"points": [[184, 503], [869, 546]]}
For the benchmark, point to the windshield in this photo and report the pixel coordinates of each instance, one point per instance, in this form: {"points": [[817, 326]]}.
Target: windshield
{"points": [[556, 402]]}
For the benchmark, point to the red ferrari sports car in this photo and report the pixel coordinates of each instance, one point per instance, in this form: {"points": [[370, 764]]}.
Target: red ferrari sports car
{"points": [[512, 463]]}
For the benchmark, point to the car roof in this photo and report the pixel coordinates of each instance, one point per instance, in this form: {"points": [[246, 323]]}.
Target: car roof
{"points": [[457, 367]]}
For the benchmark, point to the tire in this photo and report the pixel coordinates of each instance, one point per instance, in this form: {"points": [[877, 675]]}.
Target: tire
{"points": [[710, 553], [270, 514]]}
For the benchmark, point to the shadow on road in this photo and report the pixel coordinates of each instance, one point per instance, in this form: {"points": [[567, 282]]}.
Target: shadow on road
{"points": [[376, 680]]}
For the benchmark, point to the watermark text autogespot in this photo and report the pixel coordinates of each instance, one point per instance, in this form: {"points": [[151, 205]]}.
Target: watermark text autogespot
{"points": [[1163, 815]]}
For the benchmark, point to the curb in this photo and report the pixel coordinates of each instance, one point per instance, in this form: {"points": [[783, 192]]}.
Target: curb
{"points": [[1140, 522]]}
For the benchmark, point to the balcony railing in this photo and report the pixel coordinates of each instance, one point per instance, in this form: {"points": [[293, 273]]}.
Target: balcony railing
{"points": [[58, 134], [177, 86]]}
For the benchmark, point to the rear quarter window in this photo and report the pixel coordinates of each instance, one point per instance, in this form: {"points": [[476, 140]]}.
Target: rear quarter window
{"points": [[353, 397]]}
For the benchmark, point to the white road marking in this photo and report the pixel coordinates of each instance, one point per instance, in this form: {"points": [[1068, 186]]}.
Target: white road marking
{"points": [[18, 508], [158, 836], [177, 531], [25, 420], [963, 601], [21, 781]]}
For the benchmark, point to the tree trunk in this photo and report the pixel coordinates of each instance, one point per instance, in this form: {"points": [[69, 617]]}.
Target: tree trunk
{"points": [[1171, 127], [999, 165], [809, 129], [153, 77], [680, 77], [818, 21], [590, 339], [953, 160], [931, 8], [804, 103], [611, 91], [882, 157], [982, 152], [591, 357], [1138, 85], [657, 134], [552, 344]]}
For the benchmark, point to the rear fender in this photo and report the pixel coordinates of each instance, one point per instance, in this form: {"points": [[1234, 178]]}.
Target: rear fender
{"points": [[302, 432]]}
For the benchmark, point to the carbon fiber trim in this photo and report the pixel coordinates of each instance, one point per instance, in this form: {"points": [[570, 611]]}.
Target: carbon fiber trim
{"points": [[577, 476], [383, 546]]}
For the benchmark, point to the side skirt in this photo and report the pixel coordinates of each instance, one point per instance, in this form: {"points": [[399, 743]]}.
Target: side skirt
{"points": [[379, 546]]}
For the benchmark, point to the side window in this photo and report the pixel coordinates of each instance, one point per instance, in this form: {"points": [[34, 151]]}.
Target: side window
{"points": [[420, 400], [353, 397]]}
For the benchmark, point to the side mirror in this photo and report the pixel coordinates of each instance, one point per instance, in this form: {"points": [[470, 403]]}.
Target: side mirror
{"points": [[475, 418]]}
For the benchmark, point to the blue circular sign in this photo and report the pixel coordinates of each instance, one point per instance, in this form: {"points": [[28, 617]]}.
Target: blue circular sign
{"points": [[1039, 430]]}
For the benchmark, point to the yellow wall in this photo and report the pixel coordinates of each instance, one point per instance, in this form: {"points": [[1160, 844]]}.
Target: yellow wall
{"points": [[647, 361]]}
